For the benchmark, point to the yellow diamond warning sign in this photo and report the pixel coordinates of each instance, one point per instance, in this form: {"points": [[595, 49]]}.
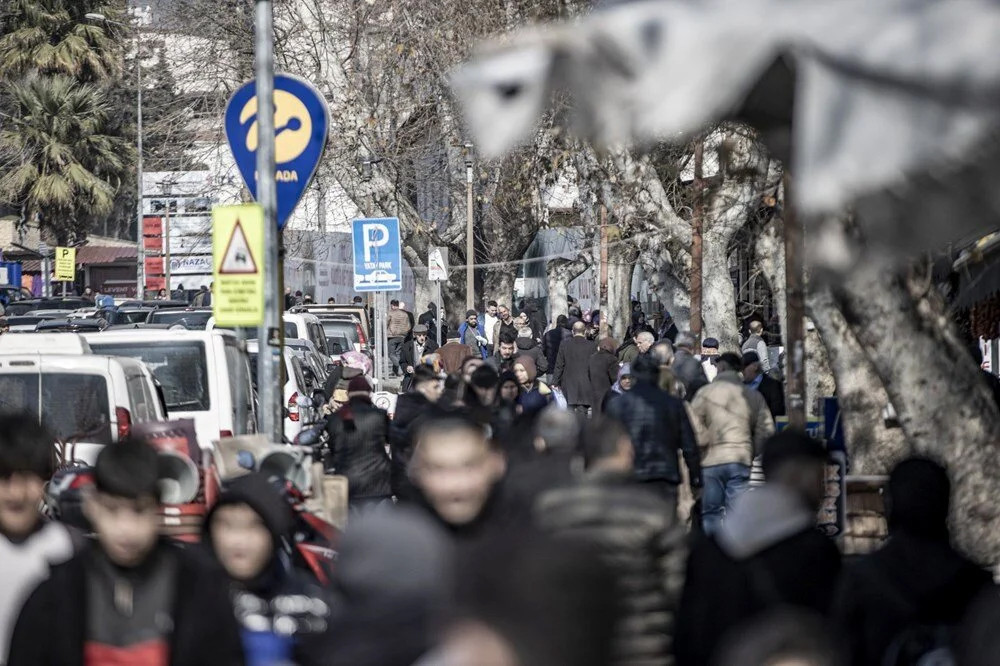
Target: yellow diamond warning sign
{"points": [[238, 248]]}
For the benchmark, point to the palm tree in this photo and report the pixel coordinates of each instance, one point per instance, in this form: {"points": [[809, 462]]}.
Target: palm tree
{"points": [[54, 37], [62, 169]]}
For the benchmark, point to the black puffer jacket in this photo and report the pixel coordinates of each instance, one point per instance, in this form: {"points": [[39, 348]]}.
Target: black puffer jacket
{"points": [[659, 427], [637, 536], [358, 435]]}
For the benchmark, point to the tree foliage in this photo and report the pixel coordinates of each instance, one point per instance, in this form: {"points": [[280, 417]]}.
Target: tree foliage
{"points": [[64, 169], [62, 158]]}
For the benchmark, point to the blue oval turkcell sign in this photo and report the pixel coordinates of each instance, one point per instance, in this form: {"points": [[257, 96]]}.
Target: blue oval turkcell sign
{"points": [[301, 121]]}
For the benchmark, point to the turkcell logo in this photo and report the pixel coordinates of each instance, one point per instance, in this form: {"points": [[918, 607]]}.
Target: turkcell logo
{"points": [[378, 262], [301, 119]]}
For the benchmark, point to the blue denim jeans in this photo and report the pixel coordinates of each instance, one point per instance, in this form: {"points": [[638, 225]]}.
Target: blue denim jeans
{"points": [[722, 484]]}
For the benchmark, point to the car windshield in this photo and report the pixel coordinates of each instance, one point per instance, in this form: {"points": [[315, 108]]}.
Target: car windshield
{"points": [[133, 316], [341, 329], [339, 343], [180, 367], [73, 406], [187, 318], [291, 330]]}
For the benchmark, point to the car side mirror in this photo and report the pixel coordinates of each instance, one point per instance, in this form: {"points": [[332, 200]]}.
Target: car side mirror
{"points": [[246, 460]]}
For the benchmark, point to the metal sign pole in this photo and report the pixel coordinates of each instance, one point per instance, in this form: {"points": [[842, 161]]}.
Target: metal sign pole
{"points": [[270, 334], [440, 300], [377, 311]]}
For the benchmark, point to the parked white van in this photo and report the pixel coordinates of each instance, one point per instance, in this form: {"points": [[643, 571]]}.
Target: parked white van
{"points": [[80, 396], [307, 326], [205, 375]]}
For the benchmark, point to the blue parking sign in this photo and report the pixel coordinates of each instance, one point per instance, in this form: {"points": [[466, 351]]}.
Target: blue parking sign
{"points": [[378, 263]]}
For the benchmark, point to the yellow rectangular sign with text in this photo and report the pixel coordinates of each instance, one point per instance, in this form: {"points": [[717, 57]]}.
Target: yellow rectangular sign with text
{"points": [[238, 265]]}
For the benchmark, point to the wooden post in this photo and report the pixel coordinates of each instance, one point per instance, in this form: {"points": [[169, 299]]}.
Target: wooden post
{"points": [[795, 366], [697, 219], [605, 312]]}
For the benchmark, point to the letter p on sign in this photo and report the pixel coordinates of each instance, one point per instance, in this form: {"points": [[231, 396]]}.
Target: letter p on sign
{"points": [[375, 235]]}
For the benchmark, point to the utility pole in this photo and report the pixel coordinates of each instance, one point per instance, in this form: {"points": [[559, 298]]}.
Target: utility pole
{"points": [[166, 250], [604, 272], [470, 259], [697, 220], [140, 266], [795, 365], [271, 334]]}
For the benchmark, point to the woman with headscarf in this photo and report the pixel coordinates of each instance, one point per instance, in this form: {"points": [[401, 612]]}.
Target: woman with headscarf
{"points": [[535, 394], [602, 368], [625, 383]]}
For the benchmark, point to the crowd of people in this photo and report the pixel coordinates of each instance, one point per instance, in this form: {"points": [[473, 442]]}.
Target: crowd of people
{"points": [[537, 498]]}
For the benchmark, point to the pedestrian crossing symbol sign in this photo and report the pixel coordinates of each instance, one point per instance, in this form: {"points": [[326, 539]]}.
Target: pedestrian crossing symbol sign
{"points": [[237, 249]]}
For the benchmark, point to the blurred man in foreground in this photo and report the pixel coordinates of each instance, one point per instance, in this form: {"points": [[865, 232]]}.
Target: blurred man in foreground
{"points": [[129, 598], [768, 554], [457, 469]]}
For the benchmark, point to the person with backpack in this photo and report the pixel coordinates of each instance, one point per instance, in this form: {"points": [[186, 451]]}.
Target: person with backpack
{"points": [[904, 603], [735, 421]]}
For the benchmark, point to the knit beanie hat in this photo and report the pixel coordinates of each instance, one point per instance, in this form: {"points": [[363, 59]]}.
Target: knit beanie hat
{"points": [[358, 387]]}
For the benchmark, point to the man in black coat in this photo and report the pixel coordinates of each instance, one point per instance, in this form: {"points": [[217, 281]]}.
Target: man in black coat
{"points": [[417, 403], [571, 372], [129, 597], [772, 390], [917, 579], [414, 349], [553, 339], [659, 426], [767, 554], [358, 433], [637, 534]]}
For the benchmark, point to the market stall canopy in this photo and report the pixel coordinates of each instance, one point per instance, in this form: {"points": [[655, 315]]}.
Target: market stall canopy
{"points": [[888, 108]]}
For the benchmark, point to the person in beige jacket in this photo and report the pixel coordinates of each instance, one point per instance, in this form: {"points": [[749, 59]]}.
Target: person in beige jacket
{"points": [[734, 422]]}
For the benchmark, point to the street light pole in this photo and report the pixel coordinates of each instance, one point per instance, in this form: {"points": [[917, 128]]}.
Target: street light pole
{"points": [[140, 255], [470, 248], [140, 250], [271, 334]]}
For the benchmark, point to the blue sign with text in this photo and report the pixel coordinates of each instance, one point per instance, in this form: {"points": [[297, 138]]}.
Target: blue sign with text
{"points": [[378, 263], [301, 120]]}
